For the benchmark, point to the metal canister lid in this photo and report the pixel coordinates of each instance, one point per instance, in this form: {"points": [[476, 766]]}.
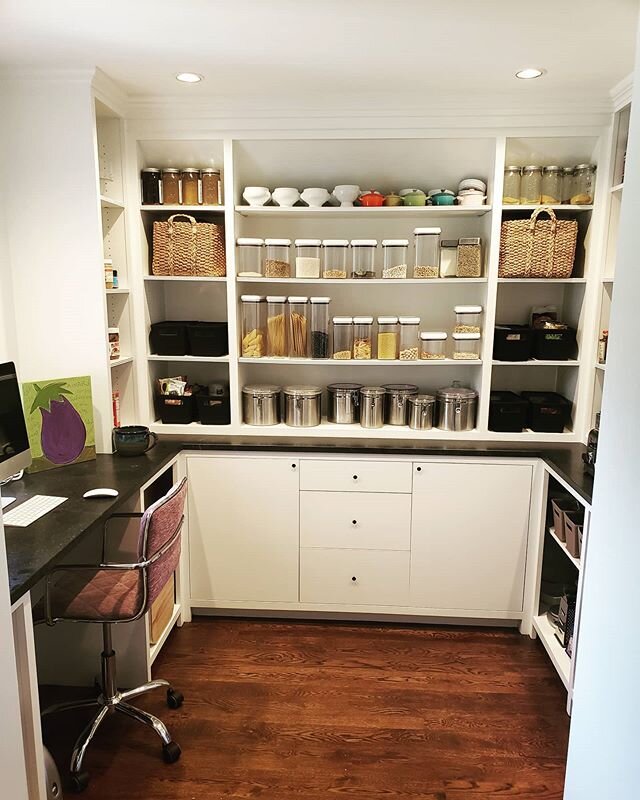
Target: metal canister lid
{"points": [[172, 170], [474, 240], [586, 166], [346, 388], [552, 168], [261, 389], [422, 399], [400, 388], [372, 391], [456, 393], [532, 168], [567, 170], [151, 169], [449, 243], [512, 168], [210, 171], [302, 391], [190, 170]]}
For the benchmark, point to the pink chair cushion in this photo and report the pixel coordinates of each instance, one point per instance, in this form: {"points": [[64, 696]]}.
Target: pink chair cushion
{"points": [[97, 594]]}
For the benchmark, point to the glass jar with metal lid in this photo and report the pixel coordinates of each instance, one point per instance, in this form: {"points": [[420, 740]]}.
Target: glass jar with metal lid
{"points": [[584, 183], [567, 185], [335, 253], [511, 185], [395, 258], [531, 185], [277, 262], [551, 192], [420, 411], [250, 257], [344, 403], [171, 186], [261, 404], [456, 408], [211, 187], [409, 329], [190, 179], [372, 406], [302, 406], [363, 252], [151, 186], [396, 409]]}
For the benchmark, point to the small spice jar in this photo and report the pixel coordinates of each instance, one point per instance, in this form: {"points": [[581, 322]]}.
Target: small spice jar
{"points": [[308, 258], [320, 327], [427, 247], [335, 258], [277, 263], [363, 253], [114, 343], [511, 186], [409, 338], [108, 273], [250, 257], [276, 327], [466, 346], [253, 326], [116, 280], [395, 258], [531, 185], [448, 258], [387, 338], [467, 319], [469, 264], [567, 185], [298, 327], [171, 186], [190, 180], [211, 187], [342, 338], [583, 185], [151, 191], [362, 338], [551, 192], [432, 345]]}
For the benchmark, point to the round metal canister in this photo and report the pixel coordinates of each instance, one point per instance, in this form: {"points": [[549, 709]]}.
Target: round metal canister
{"points": [[344, 403], [396, 409], [421, 408], [302, 406], [372, 406], [456, 408], [260, 404]]}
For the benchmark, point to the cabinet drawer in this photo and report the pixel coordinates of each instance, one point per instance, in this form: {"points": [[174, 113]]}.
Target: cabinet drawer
{"points": [[355, 520], [355, 476], [354, 577]]}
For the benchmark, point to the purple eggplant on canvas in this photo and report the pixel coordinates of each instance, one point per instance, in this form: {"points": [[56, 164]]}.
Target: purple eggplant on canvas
{"points": [[64, 433]]}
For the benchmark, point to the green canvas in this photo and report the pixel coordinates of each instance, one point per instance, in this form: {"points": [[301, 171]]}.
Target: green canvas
{"points": [[59, 417]]}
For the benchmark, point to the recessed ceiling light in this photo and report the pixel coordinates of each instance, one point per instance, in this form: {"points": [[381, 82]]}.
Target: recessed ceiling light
{"points": [[189, 77], [529, 72]]}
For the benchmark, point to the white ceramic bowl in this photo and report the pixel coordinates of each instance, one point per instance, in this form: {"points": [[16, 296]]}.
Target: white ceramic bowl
{"points": [[256, 195], [315, 197], [473, 183], [285, 196], [474, 200], [346, 193]]}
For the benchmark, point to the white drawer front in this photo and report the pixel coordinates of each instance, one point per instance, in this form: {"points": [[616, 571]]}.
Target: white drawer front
{"points": [[355, 476], [354, 577], [355, 520]]}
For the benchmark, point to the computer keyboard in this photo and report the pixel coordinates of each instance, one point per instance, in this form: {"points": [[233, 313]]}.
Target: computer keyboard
{"points": [[32, 509]]}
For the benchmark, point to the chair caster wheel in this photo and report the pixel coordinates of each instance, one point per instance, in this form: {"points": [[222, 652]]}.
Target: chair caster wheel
{"points": [[171, 752], [174, 699], [78, 781]]}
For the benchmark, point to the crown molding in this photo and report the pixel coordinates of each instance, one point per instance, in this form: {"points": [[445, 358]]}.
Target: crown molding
{"points": [[109, 93], [621, 93], [40, 74]]}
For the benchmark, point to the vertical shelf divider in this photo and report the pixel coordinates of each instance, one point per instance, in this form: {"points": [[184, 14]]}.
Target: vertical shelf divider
{"points": [[232, 303]]}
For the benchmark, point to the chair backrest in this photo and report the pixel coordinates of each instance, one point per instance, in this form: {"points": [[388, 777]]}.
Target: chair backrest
{"points": [[160, 523]]}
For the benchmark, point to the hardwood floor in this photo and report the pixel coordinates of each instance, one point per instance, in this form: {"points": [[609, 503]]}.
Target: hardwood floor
{"points": [[311, 711]]}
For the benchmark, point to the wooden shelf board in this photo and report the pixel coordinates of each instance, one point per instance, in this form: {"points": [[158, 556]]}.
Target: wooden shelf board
{"points": [[350, 212], [191, 359], [155, 648], [575, 561], [366, 281], [535, 363], [120, 361], [192, 278], [185, 209], [107, 202], [356, 362], [555, 650]]}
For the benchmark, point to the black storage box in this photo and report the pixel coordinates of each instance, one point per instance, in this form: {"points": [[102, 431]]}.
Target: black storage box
{"points": [[512, 343], [176, 410], [548, 412], [554, 345], [169, 338], [214, 409], [507, 412], [208, 338]]}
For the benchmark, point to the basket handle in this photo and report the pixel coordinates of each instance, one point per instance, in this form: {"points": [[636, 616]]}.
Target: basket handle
{"points": [[532, 228], [194, 229], [192, 220]]}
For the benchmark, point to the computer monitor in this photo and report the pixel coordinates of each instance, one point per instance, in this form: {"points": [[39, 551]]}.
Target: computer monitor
{"points": [[14, 442]]}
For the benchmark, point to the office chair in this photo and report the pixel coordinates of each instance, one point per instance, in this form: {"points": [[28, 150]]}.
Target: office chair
{"points": [[112, 593]]}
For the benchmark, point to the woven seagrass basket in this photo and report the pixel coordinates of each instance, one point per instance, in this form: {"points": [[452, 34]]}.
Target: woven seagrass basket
{"points": [[537, 248], [188, 248]]}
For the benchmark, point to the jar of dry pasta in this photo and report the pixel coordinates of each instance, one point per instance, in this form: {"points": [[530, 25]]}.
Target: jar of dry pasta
{"points": [[362, 338], [427, 247], [276, 327], [277, 263], [253, 343], [298, 327], [432, 345]]}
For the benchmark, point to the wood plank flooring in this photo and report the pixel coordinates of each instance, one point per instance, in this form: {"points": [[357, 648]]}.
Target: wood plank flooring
{"points": [[314, 711]]}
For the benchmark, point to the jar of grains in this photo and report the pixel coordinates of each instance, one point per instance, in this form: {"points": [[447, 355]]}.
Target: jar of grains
{"points": [[363, 253], [171, 187], [190, 179], [298, 327], [427, 246], [320, 327], [342, 338], [511, 186], [253, 326], [551, 193], [276, 263], [335, 258], [567, 184], [211, 187], [467, 319], [395, 258], [466, 346], [362, 338], [276, 327], [432, 345], [583, 185], [250, 257], [307, 258], [387, 338], [469, 257], [409, 328], [531, 185]]}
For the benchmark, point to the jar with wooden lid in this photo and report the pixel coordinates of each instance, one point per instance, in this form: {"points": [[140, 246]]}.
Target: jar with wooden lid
{"points": [[511, 185], [190, 178], [171, 186], [583, 185], [531, 185], [551, 193], [211, 187]]}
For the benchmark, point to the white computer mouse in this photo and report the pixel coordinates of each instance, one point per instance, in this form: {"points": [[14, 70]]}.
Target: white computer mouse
{"points": [[100, 493]]}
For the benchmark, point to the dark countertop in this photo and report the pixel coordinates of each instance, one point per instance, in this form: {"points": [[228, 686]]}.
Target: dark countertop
{"points": [[33, 550]]}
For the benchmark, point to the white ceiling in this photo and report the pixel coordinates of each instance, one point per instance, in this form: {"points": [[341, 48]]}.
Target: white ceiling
{"points": [[297, 52]]}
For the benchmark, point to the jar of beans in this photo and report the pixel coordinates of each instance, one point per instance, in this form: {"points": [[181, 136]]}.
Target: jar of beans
{"points": [[277, 263], [395, 258], [409, 338], [342, 338], [432, 345], [467, 319], [469, 261]]}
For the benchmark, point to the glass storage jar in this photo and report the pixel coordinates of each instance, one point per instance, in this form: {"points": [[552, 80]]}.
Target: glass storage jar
{"points": [[567, 184], [335, 258], [253, 326], [363, 338], [448, 258], [387, 338], [308, 258], [277, 326], [211, 187], [511, 186], [320, 327], [468, 319], [250, 257], [151, 191], [363, 252], [469, 257], [583, 185], [276, 263], [409, 329], [190, 179], [466, 346], [531, 185], [432, 345], [171, 187], [551, 191], [427, 246], [395, 258], [342, 338], [298, 327]]}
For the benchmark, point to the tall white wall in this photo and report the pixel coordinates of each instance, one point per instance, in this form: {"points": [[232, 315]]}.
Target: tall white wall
{"points": [[605, 727], [7, 317]]}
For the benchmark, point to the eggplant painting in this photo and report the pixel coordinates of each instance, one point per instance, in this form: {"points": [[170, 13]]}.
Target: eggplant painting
{"points": [[59, 416]]}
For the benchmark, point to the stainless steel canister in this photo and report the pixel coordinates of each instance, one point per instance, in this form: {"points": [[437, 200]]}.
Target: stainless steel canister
{"points": [[396, 409], [344, 403], [456, 407], [372, 406], [302, 406], [261, 404], [421, 408]]}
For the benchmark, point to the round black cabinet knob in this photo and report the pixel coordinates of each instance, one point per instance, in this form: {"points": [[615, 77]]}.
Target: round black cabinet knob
{"points": [[354, 578], [355, 477], [293, 466], [354, 521], [419, 469]]}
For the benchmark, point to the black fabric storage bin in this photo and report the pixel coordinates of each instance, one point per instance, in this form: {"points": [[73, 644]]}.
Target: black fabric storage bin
{"points": [[512, 343], [175, 410], [208, 338], [507, 412], [550, 345], [548, 412], [169, 338], [213, 409]]}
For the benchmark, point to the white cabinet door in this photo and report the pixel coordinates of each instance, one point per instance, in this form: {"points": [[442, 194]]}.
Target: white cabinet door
{"points": [[469, 535], [243, 529]]}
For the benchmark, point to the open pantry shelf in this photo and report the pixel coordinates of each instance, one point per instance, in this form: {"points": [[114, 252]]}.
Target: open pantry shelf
{"points": [[550, 281], [556, 207], [366, 281], [535, 363], [108, 202], [356, 362], [349, 212], [119, 362], [562, 545], [183, 278], [199, 209], [558, 655], [191, 359]]}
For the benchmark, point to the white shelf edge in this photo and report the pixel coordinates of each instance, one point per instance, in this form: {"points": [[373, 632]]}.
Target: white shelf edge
{"points": [[117, 291], [190, 359], [556, 652], [601, 367], [607, 280], [107, 202], [120, 361], [361, 211], [365, 281], [617, 188], [542, 280], [169, 278], [554, 207], [575, 561], [361, 362], [155, 649], [185, 209], [534, 363]]}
